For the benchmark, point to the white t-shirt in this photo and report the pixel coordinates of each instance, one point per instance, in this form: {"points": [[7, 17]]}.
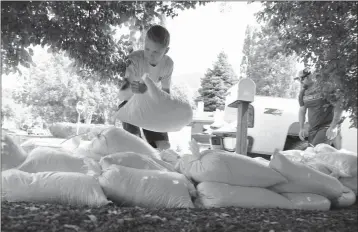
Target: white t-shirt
{"points": [[137, 66]]}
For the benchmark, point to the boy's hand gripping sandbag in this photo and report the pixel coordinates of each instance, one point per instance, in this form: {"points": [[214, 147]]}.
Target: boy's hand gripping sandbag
{"points": [[156, 110]]}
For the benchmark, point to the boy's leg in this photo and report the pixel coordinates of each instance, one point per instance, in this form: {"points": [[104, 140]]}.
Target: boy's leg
{"points": [[157, 139], [131, 128]]}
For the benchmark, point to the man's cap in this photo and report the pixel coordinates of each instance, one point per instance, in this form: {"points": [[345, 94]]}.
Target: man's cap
{"points": [[302, 74]]}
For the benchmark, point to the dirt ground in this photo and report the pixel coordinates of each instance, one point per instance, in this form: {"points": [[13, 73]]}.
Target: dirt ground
{"points": [[53, 217]]}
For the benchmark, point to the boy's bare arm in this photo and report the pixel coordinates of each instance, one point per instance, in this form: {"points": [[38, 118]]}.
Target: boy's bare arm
{"points": [[166, 82]]}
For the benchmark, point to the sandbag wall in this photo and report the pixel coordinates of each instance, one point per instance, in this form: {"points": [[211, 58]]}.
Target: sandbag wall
{"points": [[134, 174]]}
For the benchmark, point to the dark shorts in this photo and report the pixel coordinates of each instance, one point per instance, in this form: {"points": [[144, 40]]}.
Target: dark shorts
{"points": [[151, 136], [319, 136]]}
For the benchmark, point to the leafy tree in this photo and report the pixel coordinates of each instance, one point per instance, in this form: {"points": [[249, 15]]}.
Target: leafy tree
{"points": [[273, 75], [216, 82], [7, 110], [324, 34], [84, 29], [183, 91], [53, 91]]}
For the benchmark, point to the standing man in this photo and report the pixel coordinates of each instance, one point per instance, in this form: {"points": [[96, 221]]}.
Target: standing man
{"points": [[324, 115]]}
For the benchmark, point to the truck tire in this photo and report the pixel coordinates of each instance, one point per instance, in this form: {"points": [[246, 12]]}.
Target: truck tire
{"points": [[298, 145]]}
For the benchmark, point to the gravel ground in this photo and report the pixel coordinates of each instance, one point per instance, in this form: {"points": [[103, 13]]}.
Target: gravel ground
{"points": [[29, 217]]}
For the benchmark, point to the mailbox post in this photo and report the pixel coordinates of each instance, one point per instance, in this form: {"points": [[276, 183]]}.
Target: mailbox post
{"points": [[80, 107], [245, 94]]}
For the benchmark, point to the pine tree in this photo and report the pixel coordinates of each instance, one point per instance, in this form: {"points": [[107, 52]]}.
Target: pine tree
{"points": [[216, 82]]}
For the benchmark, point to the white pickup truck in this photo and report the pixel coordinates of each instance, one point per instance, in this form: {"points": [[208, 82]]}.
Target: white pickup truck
{"points": [[273, 123]]}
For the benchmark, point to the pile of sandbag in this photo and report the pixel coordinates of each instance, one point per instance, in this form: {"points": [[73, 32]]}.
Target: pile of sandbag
{"points": [[124, 177], [302, 179], [117, 166], [225, 179], [340, 164], [290, 180]]}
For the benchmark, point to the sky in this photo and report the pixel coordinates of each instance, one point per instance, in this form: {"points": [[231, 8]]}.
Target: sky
{"points": [[199, 35]]}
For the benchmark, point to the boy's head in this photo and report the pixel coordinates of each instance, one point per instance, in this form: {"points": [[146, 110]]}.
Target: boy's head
{"points": [[156, 44]]}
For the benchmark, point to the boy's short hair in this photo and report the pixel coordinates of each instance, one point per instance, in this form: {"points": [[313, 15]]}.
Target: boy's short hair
{"points": [[159, 35]]}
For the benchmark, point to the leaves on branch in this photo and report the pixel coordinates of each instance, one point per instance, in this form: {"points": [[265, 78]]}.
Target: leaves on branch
{"points": [[323, 34], [84, 29]]}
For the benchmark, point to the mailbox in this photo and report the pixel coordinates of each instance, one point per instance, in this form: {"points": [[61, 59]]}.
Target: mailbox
{"points": [[246, 90]]}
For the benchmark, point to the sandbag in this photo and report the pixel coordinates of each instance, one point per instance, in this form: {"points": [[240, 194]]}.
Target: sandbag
{"points": [[146, 188], [347, 199], [31, 144], [225, 167], [262, 161], [170, 156], [341, 164], [319, 167], [12, 155], [213, 194], [156, 110], [324, 148], [293, 155], [308, 201], [52, 187], [85, 150], [116, 140], [131, 160], [308, 154], [45, 159], [309, 150], [302, 177], [350, 182]]}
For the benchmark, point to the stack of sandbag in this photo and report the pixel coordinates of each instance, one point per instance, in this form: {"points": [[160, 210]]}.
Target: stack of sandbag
{"points": [[147, 187], [52, 187], [303, 181], [156, 110], [341, 164], [131, 178], [52, 175], [135, 179], [226, 179]]}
